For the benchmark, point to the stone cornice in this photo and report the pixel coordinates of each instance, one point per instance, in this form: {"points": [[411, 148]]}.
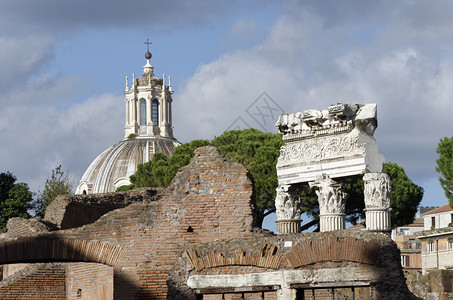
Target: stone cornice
{"points": [[435, 232]]}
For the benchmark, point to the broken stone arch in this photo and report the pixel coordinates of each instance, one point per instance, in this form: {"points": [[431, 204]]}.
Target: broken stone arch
{"points": [[321, 147], [43, 249]]}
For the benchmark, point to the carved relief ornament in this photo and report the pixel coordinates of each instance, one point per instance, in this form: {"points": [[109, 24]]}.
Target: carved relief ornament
{"points": [[323, 148], [287, 203], [377, 190], [331, 197]]}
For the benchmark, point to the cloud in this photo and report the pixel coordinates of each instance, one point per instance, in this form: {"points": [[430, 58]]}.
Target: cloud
{"points": [[43, 136], [40, 126], [307, 63], [22, 58], [65, 17], [397, 54]]}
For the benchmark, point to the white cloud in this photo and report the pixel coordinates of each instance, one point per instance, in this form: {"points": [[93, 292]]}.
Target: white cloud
{"points": [[411, 84], [43, 136], [22, 58], [317, 53]]}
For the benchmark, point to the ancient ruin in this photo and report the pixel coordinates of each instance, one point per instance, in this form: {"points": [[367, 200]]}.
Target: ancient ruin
{"points": [[321, 148], [193, 240], [197, 238]]}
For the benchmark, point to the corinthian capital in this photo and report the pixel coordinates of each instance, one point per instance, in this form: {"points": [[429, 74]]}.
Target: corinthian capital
{"points": [[330, 196], [287, 203], [377, 190]]}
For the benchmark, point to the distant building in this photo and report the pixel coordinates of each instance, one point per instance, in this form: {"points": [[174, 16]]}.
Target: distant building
{"points": [[439, 217], [148, 130], [409, 245], [437, 239]]}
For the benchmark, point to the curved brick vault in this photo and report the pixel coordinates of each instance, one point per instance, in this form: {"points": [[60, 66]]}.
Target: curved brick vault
{"points": [[27, 250]]}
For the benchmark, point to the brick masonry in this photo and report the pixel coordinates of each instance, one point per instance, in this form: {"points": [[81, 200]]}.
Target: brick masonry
{"points": [[40, 281], [146, 237], [372, 259], [72, 211], [209, 199]]}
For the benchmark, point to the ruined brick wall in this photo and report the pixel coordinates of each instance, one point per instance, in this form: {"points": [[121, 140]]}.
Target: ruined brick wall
{"points": [[18, 227], [11, 269], [209, 199], [84, 281], [41, 281], [89, 281], [436, 284], [353, 257], [72, 211]]}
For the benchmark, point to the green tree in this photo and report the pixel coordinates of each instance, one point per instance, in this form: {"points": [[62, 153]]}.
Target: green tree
{"points": [[57, 184], [7, 181], [445, 167], [15, 199], [161, 170]]}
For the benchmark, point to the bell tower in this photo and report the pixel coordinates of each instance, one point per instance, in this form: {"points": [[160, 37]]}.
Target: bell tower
{"points": [[148, 104]]}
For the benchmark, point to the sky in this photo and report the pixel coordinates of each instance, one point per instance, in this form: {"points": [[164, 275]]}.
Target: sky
{"points": [[234, 64]]}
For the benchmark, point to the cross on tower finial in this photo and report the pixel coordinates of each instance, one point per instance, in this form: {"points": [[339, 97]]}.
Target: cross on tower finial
{"points": [[147, 44]]}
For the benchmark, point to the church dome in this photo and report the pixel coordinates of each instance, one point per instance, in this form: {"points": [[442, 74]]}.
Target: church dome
{"points": [[148, 129], [112, 168]]}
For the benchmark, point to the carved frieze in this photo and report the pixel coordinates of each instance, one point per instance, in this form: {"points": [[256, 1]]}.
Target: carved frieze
{"points": [[331, 197], [287, 203], [315, 150], [337, 118], [377, 190]]}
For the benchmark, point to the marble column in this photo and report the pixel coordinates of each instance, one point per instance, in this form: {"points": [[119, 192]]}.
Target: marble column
{"points": [[332, 202], [377, 202], [287, 208]]}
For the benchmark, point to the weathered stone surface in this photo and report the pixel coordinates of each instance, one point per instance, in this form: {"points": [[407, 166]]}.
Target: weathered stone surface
{"points": [[377, 190], [71, 211], [59, 281], [210, 199], [287, 203], [208, 209], [337, 142], [339, 258], [23, 227], [436, 284]]}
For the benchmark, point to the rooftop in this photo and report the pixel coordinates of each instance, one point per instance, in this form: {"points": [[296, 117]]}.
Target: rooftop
{"points": [[444, 208]]}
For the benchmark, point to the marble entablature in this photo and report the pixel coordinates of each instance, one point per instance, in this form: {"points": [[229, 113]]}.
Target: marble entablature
{"points": [[337, 142]]}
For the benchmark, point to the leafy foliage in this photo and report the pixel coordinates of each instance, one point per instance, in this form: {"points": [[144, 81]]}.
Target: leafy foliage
{"points": [[405, 195], [15, 199], [160, 171], [57, 184], [445, 167]]}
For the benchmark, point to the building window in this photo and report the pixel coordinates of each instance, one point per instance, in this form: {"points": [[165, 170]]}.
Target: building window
{"points": [[142, 112], [431, 247], [155, 110], [404, 231], [404, 260], [450, 244], [433, 222]]}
